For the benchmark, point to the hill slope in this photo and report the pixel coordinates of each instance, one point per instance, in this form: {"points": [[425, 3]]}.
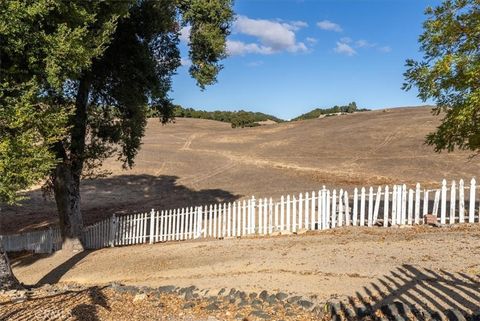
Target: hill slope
{"points": [[197, 161]]}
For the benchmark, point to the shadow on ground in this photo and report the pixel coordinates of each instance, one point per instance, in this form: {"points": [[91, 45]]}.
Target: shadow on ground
{"points": [[412, 293], [72, 305], [123, 194]]}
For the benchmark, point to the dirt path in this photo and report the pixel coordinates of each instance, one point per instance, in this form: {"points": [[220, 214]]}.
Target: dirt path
{"points": [[429, 266]]}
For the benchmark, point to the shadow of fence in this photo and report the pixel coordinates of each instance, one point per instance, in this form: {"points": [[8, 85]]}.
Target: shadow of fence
{"points": [[411, 293]]}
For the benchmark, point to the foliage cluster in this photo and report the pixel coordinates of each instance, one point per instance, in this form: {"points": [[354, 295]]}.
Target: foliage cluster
{"points": [[350, 108]]}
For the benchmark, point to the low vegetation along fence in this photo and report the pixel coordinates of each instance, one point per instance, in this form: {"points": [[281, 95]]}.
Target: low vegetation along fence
{"points": [[45, 241], [318, 210]]}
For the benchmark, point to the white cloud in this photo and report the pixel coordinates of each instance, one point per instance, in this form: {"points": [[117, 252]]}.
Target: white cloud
{"points": [[311, 40], [385, 49], [347, 46], [329, 26], [235, 47], [185, 34], [364, 44], [344, 48], [272, 36]]}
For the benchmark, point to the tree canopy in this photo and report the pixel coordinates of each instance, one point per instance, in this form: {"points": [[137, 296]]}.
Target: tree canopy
{"points": [[317, 112], [449, 73], [77, 79]]}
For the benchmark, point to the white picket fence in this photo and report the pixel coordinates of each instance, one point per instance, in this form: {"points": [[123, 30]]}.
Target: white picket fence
{"points": [[44, 241], [324, 209]]}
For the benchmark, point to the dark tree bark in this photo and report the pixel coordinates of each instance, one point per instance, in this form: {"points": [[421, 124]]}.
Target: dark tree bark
{"points": [[7, 280], [67, 174]]}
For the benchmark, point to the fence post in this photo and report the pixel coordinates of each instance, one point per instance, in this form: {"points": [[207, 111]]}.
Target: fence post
{"points": [[471, 209], [113, 230]]}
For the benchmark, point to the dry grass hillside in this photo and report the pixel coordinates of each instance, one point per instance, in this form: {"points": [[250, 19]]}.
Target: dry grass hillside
{"points": [[195, 162]]}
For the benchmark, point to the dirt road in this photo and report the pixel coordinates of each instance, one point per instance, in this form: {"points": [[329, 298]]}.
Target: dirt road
{"points": [[431, 267]]}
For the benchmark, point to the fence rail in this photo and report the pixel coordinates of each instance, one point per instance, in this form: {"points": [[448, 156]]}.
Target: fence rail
{"points": [[317, 210]]}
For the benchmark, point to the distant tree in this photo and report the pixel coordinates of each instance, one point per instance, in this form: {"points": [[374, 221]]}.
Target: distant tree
{"points": [[449, 73]]}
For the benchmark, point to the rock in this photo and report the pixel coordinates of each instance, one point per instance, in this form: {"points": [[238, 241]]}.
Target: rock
{"points": [[293, 299], [189, 295], [455, 315], [271, 299], [166, 289], [281, 296], [260, 314], [221, 292], [263, 295], [305, 304], [212, 307], [18, 299], [257, 302], [139, 297], [232, 292], [188, 305], [128, 289], [252, 296]]}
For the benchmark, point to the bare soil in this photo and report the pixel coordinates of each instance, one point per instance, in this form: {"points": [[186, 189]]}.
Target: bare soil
{"points": [[196, 162], [435, 268]]}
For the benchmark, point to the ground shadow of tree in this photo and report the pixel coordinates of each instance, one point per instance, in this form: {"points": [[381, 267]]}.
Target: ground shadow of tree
{"points": [[122, 194], [412, 293], [77, 304]]}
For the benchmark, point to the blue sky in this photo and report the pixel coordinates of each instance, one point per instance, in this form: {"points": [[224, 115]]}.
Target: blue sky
{"points": [[290, 56]]}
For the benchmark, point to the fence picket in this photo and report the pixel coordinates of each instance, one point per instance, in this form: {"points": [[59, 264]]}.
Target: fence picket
{"points": [[355, 206], [312, 211], [347, 209], [282, 213], [288, 213], [265, 216], [300, 211], [377, 205], [307, 214], [340, 208], [471, 208], [362, 207], [410, 207], [370, 207], [443, 207], [461, 202], [386, 204], [453, 201], [234, 219], [294, 214], [417, 203], [334, 208], [404, 204]]}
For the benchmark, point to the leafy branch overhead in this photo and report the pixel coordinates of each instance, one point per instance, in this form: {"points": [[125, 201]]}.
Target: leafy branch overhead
{"points": [[449, 73], [95, 68]]}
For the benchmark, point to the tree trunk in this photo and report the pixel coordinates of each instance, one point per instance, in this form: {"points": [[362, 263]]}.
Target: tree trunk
{"points": [[67, 174], [7, 280]]}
